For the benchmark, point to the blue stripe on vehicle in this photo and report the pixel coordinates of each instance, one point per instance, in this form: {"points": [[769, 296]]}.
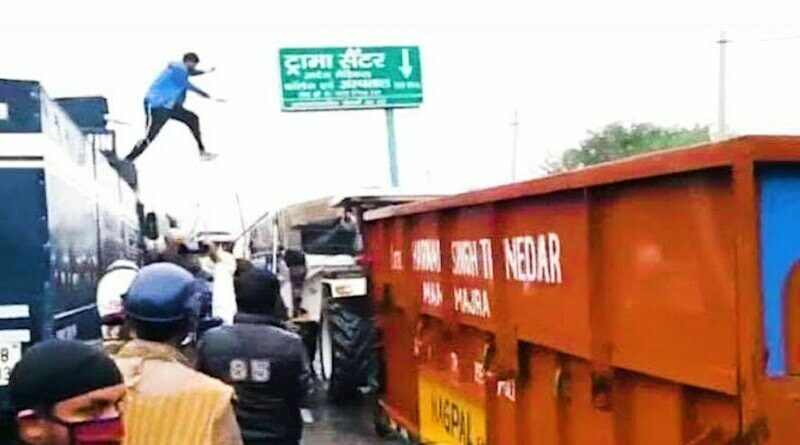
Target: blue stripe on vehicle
{"points": [[780, 250]]}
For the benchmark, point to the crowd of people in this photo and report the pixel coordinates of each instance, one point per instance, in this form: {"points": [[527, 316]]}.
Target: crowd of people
{"points": [[196, 349]]}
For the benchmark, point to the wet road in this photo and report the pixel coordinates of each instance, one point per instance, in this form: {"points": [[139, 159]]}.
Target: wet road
{"points": [[344, 425]]}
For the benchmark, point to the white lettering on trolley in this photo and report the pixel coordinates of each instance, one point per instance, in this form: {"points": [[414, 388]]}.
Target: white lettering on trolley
{"points": [[432, 293], [507, 389], [533, 258], [472, 302], [397, 259], [473, 258], [479, 373], [427, 255]]}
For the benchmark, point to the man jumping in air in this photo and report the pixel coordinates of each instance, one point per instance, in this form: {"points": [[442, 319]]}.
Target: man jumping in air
{"points": [[164, 101]]}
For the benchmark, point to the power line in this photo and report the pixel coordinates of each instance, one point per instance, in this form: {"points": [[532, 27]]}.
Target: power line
{"points": [[778, 39], [767, 40]]}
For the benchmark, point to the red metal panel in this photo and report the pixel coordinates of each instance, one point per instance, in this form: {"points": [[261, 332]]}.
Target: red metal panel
{"points": [[649, 411], [378, 259], [535, 394], [434, 344], [543, 243], [502, 413], [400, 265], [580, 421], [469, 346], [471, 275], [555, 406], [710, 418], [653, 164], [401, 375], [750, 340], [668, 272], [426, 264], [781, 399]]}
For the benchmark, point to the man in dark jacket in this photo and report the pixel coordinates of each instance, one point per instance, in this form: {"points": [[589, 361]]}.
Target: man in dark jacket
{"points": [[279, 311], [266, 364]]}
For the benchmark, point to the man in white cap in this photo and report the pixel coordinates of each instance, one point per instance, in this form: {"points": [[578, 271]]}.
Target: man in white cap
{"points": [[221, 264], [110, 290]]}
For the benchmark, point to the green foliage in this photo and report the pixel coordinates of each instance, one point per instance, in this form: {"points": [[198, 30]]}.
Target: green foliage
{"points": [[617, 141]]}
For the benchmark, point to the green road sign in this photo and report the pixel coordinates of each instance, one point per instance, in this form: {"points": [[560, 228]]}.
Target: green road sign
{"points": [[349, 78]]}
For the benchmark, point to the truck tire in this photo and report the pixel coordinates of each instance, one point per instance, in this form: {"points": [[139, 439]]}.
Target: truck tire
{"points": [[352, 339]]}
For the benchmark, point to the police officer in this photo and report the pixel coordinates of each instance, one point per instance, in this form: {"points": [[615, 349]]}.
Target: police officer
{"points": [[266, 364], [168, 402], [114, 284]]}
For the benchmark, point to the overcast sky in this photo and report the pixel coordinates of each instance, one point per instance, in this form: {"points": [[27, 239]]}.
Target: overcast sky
{"points": [[566, 67]]}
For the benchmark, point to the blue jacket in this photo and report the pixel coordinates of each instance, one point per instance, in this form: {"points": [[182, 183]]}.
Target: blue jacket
{"points": [[169, 88]]}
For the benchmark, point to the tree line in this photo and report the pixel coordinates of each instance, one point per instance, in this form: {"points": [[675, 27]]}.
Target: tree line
{"points": [[617, 141]]}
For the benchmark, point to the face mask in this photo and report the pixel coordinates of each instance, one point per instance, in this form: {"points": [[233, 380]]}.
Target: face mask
{"points": [[107, 431]]}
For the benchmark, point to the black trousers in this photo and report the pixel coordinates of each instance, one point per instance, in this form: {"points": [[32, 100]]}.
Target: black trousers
{"points": [[308, 333], [157, 117]]}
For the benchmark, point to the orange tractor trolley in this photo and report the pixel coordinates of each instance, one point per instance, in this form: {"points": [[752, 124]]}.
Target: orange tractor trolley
{"points": [[654, 300]]}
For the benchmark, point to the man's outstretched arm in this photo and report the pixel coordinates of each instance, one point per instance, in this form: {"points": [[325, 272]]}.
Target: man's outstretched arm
{"points": [[196, 90], [196, 72]]}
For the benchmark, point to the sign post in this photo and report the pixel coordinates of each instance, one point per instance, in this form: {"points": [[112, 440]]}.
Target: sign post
{"points": [[348, 78], [392, 147]]}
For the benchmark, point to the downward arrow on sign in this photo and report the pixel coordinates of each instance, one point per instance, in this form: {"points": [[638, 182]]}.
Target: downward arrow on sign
{"points": [[406, 67]]}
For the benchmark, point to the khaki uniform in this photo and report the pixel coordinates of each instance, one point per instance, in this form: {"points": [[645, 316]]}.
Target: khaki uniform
{"points": [[170, 403], [112, 347]]}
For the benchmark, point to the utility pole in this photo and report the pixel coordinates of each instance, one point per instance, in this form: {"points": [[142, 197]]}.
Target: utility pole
{"points": [[722, 129], [515, 126]]}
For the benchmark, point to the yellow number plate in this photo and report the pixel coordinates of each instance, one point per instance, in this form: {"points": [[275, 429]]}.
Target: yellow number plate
{"points": [[447, 417]]}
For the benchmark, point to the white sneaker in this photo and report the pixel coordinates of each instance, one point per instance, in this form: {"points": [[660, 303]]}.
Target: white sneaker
{"points": [[206, 156]]}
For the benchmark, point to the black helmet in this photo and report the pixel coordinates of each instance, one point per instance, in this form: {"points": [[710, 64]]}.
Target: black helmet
{"points": [[162, 293]]}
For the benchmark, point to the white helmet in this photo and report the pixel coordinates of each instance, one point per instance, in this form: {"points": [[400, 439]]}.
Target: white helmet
{"points": [[114, 284], [176, 236]]}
